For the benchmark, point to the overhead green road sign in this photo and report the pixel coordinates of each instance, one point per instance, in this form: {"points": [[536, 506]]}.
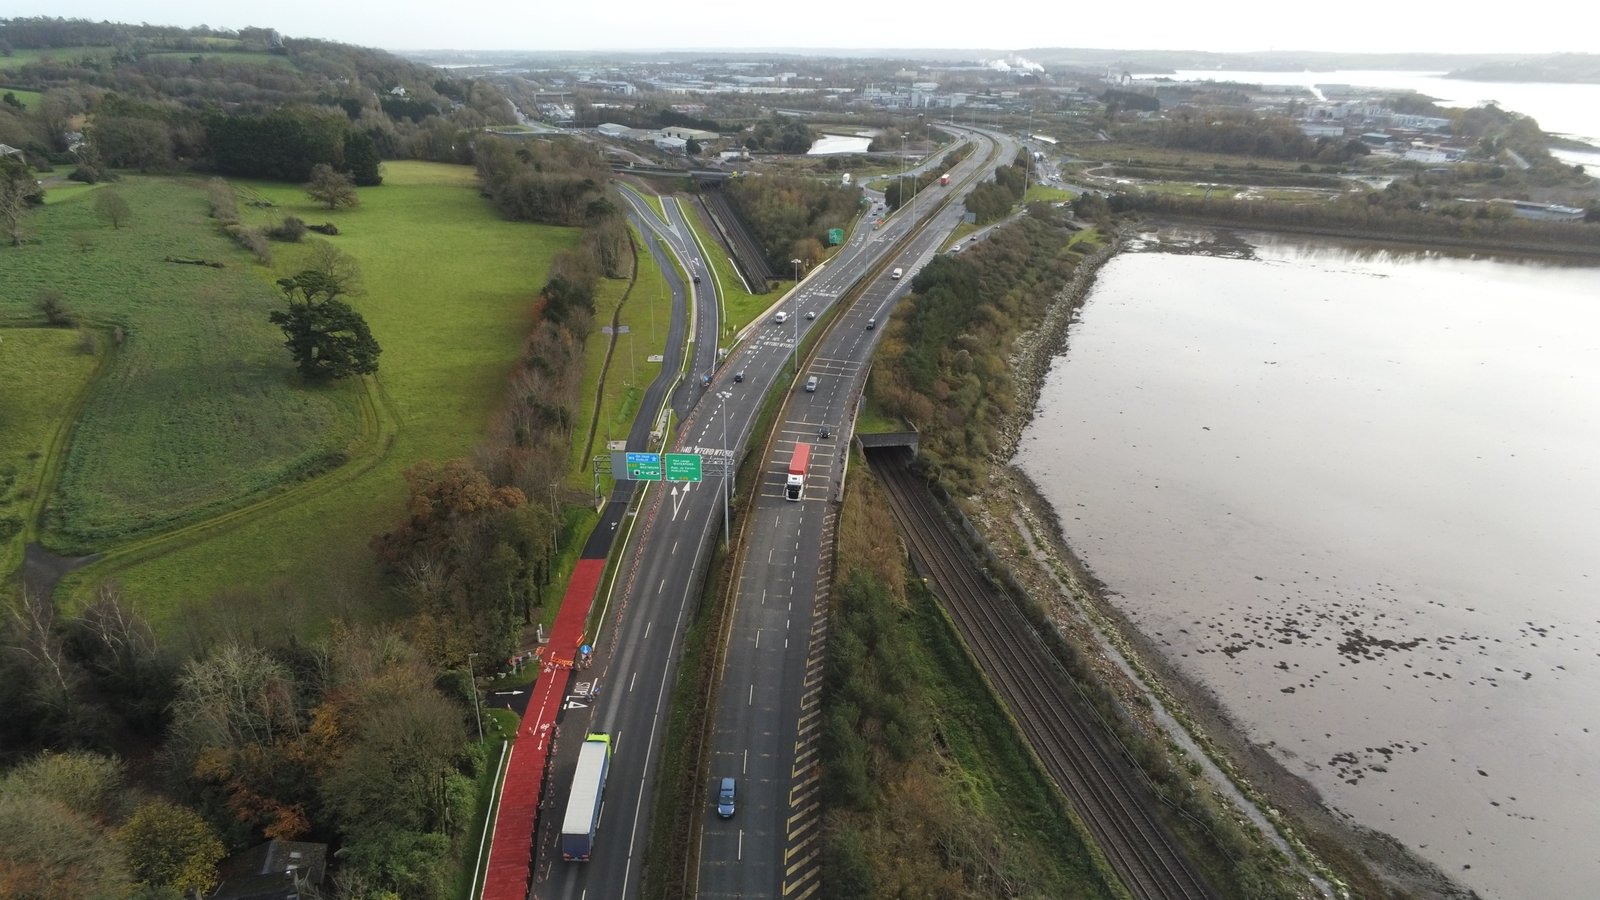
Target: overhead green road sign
{"points": [[683, 467], [836, 235], [644, 467]]}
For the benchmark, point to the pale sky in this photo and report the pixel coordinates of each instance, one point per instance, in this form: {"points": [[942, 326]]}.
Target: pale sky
{"points": [[1224, 25]]}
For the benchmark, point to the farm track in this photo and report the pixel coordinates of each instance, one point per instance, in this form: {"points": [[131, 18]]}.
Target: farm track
{"points": [[380, 425], [1102, 785]]}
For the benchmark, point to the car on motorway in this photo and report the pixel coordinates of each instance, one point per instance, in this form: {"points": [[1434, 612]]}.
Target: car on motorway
{"points": [[738, 376], [725, 798], [811, 385], [781, 318], [697, 279], [897, 273], [811, 314], [871, 324]]}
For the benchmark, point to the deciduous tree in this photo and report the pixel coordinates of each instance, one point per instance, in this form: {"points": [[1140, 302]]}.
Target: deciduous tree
{"points": [[53, 853], [171, 846], [112, 207], [53, 811], [19, 194], [335, 189]]}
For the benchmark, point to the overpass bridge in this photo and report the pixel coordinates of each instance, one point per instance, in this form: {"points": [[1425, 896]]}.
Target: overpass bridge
{"points": [[700, 175]]}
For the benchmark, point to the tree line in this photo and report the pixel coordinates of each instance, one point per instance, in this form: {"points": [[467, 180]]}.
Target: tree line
{"points": [[246, 733], [780, 134], [905, 188], [790, 216], [942, 364], [1240, 132], [153, 110], [1400, 212], [474, 554], [993, 200], [561, 182]]}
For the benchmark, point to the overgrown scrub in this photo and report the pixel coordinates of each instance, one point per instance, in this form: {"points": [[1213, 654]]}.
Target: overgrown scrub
{"points": [[929, 790], [223, 202], [252, 239], [791, 216], [1403, 211], [291, 230], [943, 363], [554, 182]]}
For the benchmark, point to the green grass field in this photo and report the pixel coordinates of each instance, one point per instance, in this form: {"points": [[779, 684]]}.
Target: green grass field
{"points": [[42, 369], [240, 57], [194, 411], [28, 99], [22, 57], [449, 287], [1037, 192], [62, 191]]}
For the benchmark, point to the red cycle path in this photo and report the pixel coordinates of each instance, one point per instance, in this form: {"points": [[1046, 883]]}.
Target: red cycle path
{"points": [[511, 848]]}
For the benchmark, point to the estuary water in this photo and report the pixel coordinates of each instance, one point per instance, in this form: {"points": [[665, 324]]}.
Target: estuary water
{"points": [[1355, 492]]}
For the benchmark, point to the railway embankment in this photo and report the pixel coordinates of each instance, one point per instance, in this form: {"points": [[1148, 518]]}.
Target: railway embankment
{"points": [[1022, 531]]}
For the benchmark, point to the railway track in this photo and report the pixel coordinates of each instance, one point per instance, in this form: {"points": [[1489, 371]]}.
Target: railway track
{"points": [[747, 253], [1096, 777]]}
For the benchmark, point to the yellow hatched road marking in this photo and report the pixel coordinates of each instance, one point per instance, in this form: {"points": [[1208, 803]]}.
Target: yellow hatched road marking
{"points": [[812, 887], [797, 846], [792, 829], [809, 857]]}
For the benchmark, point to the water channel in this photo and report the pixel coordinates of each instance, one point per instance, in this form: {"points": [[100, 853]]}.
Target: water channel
{"points": [[1355, 491]]}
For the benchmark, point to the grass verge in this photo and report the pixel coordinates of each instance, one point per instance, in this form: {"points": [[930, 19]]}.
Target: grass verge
{"points": [[874, 420]]}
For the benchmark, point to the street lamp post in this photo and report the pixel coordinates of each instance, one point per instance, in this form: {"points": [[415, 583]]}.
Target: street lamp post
{"points": [[905, 165], [477, 714], [794, 355], [727, 477]]}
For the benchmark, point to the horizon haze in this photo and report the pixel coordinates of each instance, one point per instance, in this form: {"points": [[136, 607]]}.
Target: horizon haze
{"points": [[1253, 26]]}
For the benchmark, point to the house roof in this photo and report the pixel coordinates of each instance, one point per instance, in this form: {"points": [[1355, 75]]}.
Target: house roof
{"points": [[275, 870]]}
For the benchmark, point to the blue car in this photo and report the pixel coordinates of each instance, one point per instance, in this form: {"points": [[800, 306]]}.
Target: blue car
{"points": [[725, 799]]}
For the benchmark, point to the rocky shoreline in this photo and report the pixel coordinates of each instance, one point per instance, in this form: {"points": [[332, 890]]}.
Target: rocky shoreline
{"points": [[1023, 530]]}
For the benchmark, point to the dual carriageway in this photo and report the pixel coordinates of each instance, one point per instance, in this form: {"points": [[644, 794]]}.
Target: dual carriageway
{"points": [[767, 718]]}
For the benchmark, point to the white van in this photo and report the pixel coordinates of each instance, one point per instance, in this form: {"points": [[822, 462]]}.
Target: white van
{"points": [[781, 318], [896, 273]]}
